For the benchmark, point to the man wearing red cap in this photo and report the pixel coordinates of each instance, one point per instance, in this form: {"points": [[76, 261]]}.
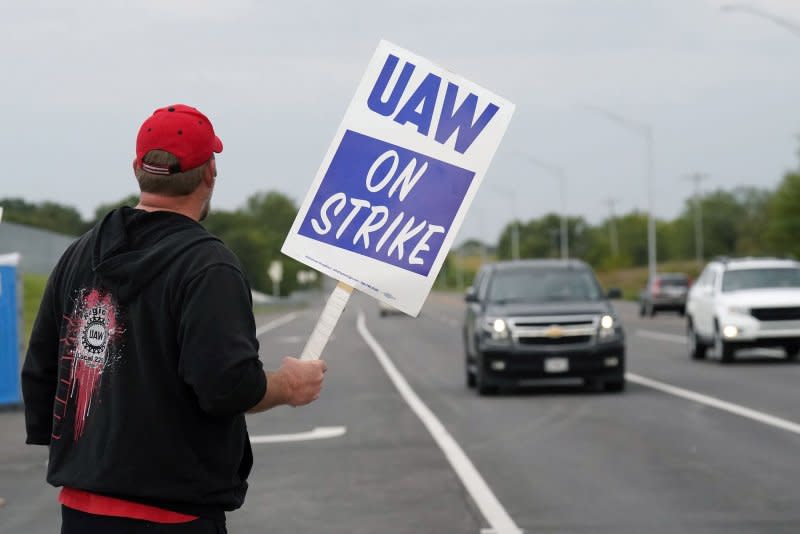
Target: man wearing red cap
{"points": [[143, 358]]}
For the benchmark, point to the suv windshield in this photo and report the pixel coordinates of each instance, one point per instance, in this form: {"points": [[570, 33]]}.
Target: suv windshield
{"points": [[543, 285], [760, 279]]}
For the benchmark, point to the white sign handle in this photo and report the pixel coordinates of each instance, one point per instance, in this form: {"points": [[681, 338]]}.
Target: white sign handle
{"points": [[327, 322]]}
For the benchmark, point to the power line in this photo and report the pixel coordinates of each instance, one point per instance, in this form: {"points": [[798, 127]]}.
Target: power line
{"points": [[784, 22]]}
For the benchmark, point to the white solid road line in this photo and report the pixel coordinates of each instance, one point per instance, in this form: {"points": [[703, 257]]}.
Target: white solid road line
{"points": [[321, 432], [714, 402], [275, 323], [661, 336], [497, 517]]}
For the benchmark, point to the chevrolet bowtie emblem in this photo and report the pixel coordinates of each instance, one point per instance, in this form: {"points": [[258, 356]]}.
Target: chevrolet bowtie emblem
{"points": [[554, 331]]}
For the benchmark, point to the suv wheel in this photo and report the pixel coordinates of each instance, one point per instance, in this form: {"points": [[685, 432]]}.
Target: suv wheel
{"points": [[697, 350], [792, 351], [723, 349]]}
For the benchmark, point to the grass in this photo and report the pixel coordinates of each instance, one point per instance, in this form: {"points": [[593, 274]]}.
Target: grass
{"points": [[32, 291]]}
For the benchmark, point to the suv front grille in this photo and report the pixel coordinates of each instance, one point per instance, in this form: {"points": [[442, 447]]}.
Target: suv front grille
{"points": [[525, 323], [776, 314], [569, 340], [554, 329]]}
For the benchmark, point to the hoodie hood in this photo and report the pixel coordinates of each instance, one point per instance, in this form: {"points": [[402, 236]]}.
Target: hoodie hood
{"points": [[128, 263]]}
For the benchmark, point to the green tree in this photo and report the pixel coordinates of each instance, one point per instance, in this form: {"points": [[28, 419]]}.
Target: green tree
{"points": [[755, 202], [256, 233], [101, 210], [541, 238], [45, 215], [783, 227]]}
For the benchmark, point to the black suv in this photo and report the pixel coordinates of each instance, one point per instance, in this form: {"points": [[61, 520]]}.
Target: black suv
{"points": [[541, 320]]}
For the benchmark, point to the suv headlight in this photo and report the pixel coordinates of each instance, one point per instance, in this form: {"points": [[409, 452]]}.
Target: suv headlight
{"points": [[607, 329], [497, 328]]}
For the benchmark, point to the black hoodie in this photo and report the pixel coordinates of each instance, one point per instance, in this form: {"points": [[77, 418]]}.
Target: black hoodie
{"points": [[142, 361]]}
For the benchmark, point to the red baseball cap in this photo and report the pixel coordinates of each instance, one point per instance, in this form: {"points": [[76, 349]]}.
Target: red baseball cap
{"points": [[180, 130]]}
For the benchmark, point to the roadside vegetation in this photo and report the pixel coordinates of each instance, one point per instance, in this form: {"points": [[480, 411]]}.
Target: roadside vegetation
{"points": [[741, 221], [32, 291], [736, 221]]}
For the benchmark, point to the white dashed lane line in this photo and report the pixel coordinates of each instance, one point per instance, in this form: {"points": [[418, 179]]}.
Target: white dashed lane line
{"points": [[714, 402], [320, 432], [737, 409], [275, 323]]}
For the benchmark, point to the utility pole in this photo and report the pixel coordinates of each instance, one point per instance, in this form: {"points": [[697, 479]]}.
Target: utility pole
{"points": [[696, 178], [612, 226]]}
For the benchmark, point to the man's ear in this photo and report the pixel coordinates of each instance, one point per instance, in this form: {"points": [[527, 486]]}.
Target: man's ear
{"points": [[211, 173], [134, 164]]}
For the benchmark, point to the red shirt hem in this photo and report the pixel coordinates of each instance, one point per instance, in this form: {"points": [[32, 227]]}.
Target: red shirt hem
{"points": [[92, 503]]}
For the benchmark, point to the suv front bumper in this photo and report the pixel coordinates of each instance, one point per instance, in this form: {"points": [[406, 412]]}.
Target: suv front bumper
{"points": [[751, 331], [514, 363]]}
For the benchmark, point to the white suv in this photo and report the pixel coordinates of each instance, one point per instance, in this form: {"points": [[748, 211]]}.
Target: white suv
{"points": [[747, 302]]}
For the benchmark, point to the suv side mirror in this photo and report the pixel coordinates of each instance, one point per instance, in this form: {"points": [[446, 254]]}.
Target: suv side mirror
{"points": [[470, 296], [614, 293]]}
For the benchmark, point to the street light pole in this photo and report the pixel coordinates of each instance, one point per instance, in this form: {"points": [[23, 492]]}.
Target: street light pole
{"points": [[612, 226], [696, 178], [644, 130], [561, 176], [651, 220], [564, 222]]}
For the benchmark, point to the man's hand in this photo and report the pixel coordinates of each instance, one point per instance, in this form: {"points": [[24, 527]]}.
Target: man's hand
{"points": [[296, 383], [304, 379]]}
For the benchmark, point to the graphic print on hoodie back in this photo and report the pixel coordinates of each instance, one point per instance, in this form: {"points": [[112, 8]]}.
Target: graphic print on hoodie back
{"points": [[90, 348]]}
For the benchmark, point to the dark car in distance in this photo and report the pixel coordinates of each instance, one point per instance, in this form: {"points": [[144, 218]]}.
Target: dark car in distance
{"points": [[665, 292], [541, 321]]}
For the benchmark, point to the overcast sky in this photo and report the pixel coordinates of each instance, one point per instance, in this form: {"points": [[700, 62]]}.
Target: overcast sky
{"points": [[720, 90]]}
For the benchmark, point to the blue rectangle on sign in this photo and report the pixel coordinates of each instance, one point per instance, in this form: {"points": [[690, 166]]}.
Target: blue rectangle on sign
{"points": [[386, 202]]}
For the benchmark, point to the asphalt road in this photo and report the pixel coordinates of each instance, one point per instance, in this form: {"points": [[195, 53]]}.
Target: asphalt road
{"points": [[700, 448]]}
